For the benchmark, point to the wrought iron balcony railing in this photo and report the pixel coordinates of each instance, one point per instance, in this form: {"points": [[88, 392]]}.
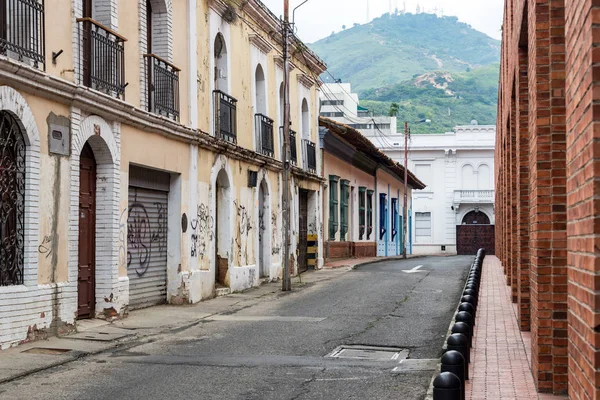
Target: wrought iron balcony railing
{"points": [[102, 58], [163, 86], [310, 162], [22, 31], [264, 131], [225, 117], [293, 148]]}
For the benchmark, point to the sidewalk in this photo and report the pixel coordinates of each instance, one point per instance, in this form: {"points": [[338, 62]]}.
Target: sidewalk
{"points": [[95, 336], [357, 262], [499, 367]]}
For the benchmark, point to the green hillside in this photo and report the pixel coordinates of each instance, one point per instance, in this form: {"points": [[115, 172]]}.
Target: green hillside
{"points": [[447, 99], [393, 49]]}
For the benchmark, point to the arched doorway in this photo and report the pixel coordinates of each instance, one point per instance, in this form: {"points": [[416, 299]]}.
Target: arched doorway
{"points": [[476, 217], [86, 267], [264, 234], [305, 120], [223, 228]]}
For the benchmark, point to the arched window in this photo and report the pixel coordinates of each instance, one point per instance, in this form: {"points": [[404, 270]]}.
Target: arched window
{"points": [[469, 181], [12, 200], [261, 101], [220, 54], [483, 177], [305, 120]]}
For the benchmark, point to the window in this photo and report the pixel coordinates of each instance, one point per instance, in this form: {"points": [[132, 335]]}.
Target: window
{"points": [[333, 206], [423, 226], [22, 31], [361, 126], [12, 192], [332, 102], [382, 215], [369, 213], [345, 195], [362, 191], [394, 218], [423, 172], [305, 120], [332, 114]]}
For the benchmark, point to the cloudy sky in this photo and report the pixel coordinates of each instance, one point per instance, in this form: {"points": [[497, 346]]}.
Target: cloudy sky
{"points": [[318, 18]]}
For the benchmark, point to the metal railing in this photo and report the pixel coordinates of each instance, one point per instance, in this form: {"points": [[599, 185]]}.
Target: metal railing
{"points": [[163, 86], [102, 58], [486, 196], [311, 156], [264, 131], [293, 147], [22, 31], [225, 116]]}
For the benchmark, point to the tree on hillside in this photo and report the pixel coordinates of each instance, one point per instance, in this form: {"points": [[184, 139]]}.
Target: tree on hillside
{"points": [[394, 109], [343, 27]]}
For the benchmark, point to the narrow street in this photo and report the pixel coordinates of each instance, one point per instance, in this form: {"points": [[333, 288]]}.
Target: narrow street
{"points": [[277, 348]]}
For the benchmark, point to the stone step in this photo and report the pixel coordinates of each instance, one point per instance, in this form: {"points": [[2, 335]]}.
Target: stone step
{"points": [[223, 291]]}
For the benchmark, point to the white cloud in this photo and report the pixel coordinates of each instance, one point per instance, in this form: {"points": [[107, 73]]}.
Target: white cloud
{"points": [[318, 18]]}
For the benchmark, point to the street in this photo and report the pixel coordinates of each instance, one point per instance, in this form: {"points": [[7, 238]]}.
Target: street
{"points": [[277, 347]]}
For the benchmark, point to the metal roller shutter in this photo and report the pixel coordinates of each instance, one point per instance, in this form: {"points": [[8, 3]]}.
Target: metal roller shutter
{"points": [[147, 238]]}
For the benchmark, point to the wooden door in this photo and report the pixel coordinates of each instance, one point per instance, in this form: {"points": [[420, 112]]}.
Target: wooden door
{"points": [[86, 283], [303, 232]]}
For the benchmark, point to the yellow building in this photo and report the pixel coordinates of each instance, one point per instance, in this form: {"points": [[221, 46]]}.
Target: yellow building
{"points": [[141, 156]]}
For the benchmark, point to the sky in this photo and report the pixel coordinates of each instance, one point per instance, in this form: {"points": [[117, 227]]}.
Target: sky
{"points": [[318, 18]]}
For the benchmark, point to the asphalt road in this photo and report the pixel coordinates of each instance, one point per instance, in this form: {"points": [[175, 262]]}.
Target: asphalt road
{"points": [[277, 348]]}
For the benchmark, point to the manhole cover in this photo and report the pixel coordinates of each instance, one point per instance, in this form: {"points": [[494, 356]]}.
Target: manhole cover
{"points": [[43, 350], [371, 353]]}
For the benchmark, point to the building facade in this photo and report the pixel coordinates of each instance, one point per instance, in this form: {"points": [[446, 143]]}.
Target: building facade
{"points": [[142, 156], [547, 179], [363, 203], [455, 213]]}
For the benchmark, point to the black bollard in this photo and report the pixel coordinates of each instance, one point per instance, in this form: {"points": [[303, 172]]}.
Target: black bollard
{"points": [[460, 343], [453, 361], [471, 292], [467, 318], [447, 386], [468, 307], [461, 327], [469, 299]]}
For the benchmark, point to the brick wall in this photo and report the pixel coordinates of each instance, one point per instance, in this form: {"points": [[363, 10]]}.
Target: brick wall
{"points": [[582, 191], [531, 237]]}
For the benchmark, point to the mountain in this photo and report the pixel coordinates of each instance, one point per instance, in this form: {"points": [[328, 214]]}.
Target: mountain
{"points": [[445, 98], [395, 48]]}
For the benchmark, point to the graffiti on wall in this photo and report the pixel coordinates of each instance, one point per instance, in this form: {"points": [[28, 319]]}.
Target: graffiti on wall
{"points": [[123, 238], [202, 231], [244, 226], [143, 234], [46, 246]]}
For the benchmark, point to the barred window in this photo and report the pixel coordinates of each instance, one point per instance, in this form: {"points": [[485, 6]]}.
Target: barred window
{"points": [[12, 200]]}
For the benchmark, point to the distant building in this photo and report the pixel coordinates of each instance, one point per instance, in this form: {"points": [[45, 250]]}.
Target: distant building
{"points": [[341, 105], [456, 166]]}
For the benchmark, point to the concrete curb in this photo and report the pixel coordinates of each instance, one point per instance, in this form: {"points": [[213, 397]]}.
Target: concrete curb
{"points": [[429, 395]]}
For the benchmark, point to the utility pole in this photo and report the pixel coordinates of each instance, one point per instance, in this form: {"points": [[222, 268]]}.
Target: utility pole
{"points": [[405, 218], [286, 284]]}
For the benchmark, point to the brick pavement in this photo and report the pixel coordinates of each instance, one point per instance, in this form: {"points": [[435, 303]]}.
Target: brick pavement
{"points": [[500, 366]]}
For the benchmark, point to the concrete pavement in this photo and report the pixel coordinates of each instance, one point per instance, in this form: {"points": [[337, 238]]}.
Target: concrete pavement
{"points": [[268, 344]]}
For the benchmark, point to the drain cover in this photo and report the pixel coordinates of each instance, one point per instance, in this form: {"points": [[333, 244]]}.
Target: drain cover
{"points": [[45, 350], [371, 353]]}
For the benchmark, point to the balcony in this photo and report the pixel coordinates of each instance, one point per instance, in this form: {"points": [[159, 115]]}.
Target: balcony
{"points": [[264, 132], [102, 58], [163, 86], [473, 196], [310, 159], [225, 117], [22, 31], [293, 149]]}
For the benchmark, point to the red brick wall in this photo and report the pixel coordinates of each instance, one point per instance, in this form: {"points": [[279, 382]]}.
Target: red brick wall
{"points": [[531, 197], [583, 229], [364, 249]]}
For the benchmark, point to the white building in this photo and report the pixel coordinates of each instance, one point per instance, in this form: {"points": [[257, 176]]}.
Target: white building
{"points": [[457, 168]]}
